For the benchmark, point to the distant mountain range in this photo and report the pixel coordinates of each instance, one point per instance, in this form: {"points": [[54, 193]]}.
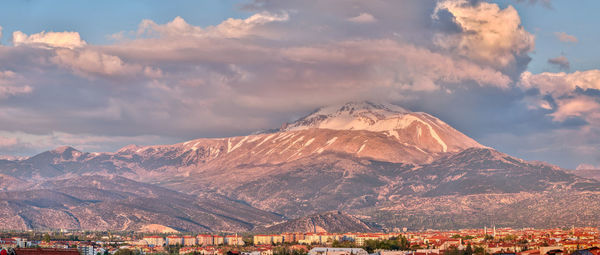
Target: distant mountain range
{"points": [[379, 162]]}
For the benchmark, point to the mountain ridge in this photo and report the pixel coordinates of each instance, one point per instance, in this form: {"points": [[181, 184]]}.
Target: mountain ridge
{"points": [[343, 158]]}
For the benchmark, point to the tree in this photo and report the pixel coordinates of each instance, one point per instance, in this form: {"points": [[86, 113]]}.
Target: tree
{"points": [[479, 250], [469, 250], [452, 251], [124, 252], [46, 237]]}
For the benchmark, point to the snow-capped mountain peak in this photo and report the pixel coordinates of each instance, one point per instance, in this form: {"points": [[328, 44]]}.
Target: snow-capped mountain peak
{"points": [[352, 116], [416, 128]]}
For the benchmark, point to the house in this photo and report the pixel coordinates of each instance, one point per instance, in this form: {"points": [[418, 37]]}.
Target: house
{"points": [[547, 249], [529, 252], [8, 243], [451, 242], [337, 251], [45, 251]]}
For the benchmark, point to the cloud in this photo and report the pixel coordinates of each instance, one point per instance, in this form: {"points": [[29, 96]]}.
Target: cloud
{"points": [[7, 141], [9, 87], [90, 62], [0, 34], [561, 62], [172, 81], [6, 91], [184, 81], [580, 106], [584, 166], [20, 143], [564, 37], [490, 35], [565, 90], [363, 18], [399, 66], [230, 28], [559, 84], [68, 40]]}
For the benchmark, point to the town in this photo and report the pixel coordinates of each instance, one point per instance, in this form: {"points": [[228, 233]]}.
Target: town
{"points": [[504, 241]]}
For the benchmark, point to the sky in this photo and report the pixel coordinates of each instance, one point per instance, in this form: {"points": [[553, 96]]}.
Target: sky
{"points": [[520, 76]]}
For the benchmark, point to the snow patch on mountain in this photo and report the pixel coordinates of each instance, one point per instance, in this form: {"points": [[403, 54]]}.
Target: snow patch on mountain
{"points": [[390, 119]]}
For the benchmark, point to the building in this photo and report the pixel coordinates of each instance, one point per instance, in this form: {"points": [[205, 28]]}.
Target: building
{"points": [[174, 240], [234, 240], [452, 242], [205, 240], [154, 240], [263, 239], [45, 251], [289, 237], [218, 240], [8, 243], [311, 238], [277, 239], [86, 250], [337, 251], [189, 241], [327, 237], [360, 239]]}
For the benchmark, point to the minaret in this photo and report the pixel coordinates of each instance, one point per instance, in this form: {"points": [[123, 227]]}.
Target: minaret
{"points": [[494, 231], [485, 230]]}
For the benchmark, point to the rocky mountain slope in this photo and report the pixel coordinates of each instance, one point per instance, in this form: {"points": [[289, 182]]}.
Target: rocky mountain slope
{"points": [[331, 222], [362, 158], [587, 173], [100, 202]]}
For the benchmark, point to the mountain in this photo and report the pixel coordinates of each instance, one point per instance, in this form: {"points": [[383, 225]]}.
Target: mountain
{"points": [[587, 173], [377, 161], [101, 202], [416, 129], [380, 132], [332, 222]]}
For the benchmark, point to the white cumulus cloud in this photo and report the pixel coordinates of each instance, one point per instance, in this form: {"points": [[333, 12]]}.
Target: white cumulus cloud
{"points": [[69, 40], [489, 34]]}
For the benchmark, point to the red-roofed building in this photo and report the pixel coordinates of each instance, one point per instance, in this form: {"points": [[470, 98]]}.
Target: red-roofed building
{"points": [[8, 243], [174, 240], [45, 251], [218, 240], [205, 240], [189, 241], [234, 240], [154, 240]]}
